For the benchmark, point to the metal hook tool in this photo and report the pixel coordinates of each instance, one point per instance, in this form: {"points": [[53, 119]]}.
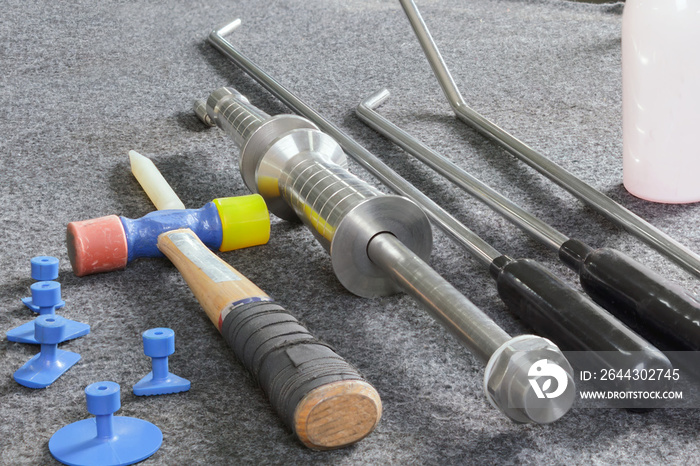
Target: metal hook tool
{"points": [[618, 214], [577, 324], [646, 301]]}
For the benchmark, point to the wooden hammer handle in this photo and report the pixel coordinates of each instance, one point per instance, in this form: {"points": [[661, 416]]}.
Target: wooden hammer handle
{"points": [[318, 394]]}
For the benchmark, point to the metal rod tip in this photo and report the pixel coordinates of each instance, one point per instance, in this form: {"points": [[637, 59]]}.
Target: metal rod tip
{"points": [[227, 28], [376, 99], [200, 109]]}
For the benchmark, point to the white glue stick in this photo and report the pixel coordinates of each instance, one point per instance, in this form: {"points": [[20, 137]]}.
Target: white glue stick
{"points": [[157, 189]]}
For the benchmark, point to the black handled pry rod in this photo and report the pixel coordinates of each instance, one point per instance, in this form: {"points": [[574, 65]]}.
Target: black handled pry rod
{"points": [[618, 214], [378, 244], [655, 307]]}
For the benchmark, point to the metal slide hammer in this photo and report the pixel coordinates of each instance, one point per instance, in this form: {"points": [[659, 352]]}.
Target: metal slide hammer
{"points": [[378, 245]]}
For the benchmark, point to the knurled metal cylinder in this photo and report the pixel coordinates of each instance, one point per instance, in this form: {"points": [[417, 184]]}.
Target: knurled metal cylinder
{"points": [[234, 114], [322, 194]]}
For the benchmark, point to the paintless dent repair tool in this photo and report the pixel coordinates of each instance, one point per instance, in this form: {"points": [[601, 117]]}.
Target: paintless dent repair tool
{"points": [[158, 344], [320, 396], [108, 243], [655, 307], [529, 290], [47, 366], [550, 306], [378, 245], [616, 213]]}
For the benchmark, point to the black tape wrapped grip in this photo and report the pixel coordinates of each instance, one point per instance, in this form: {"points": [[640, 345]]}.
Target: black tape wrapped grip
{"points": [[557, 311], [281, 354]]}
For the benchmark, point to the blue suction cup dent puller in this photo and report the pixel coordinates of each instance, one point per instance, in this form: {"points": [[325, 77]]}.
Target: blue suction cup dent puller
{"points": [[47, 366], [46, 296], [105, 440], [158, 344], [44, 268]]}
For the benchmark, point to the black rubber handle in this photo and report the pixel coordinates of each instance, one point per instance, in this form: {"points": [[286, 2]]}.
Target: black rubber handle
{"points": [[567, 317], [655, 307], [281, 354]]}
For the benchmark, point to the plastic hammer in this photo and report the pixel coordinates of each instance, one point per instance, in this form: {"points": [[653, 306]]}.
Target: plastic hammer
{"points": [[109, 243]]}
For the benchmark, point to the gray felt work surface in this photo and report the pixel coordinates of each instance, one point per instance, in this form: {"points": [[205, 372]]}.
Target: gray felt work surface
{"points": [[82, 83]]}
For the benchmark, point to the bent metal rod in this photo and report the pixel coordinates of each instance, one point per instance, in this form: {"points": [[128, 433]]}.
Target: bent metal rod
{"points": [[618, 214], [659, 309], [378, 244]]}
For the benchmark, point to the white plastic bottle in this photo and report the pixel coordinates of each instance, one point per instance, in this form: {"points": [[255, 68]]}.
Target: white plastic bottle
{"points": [[661, 99]]}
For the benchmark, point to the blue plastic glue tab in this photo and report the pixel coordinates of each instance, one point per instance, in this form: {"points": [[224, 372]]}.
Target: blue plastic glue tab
{"points": [[46, 297], [47, 366], [158, 344], [106, 439]]}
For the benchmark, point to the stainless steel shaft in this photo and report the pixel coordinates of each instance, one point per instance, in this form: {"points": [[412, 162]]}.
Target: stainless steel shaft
{"points": [[475, 331], [378, 243], [618, 214]]}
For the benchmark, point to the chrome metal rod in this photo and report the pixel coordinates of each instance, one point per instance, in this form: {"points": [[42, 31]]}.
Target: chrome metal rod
{"points": [[472, 327], [541, 231], [479, 249], [618, 214]]}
